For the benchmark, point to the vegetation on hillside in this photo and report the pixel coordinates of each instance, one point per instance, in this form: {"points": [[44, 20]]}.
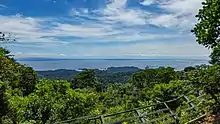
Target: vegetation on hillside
{"points": [[111, 75], [27, 99]]}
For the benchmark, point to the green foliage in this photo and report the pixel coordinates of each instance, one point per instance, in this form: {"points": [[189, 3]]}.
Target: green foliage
{"points": [[215, 55], [186, 112], [3, 105], [15, 80], [207, 78], [165, 92], [26, 99], [111, 75], [60, 74], [18, 76], [52, 101], [207, 30], [150, 77], [188, 69], [4, 52], [86, 79]]}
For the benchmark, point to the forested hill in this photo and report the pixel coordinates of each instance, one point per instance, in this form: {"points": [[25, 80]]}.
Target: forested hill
{"points": [[26, 99], [110, 75]]}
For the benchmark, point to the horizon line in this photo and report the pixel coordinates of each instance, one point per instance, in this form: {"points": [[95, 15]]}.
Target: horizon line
{"points": [[152, 58]]}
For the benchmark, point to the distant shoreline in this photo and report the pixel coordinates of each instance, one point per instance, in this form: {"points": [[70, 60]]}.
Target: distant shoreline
{"points": [[103, 64], [61, 59], [100, 69]]}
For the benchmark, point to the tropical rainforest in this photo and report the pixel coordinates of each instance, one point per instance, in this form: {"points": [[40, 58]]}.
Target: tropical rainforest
{"points": [[26, 98]]}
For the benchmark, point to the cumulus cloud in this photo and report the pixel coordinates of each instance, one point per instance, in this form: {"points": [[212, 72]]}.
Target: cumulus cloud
{"points": [[116, 11], [147, 2], [116, 22], [180, 13], [28, 29], [25, 28], [181, 7]]}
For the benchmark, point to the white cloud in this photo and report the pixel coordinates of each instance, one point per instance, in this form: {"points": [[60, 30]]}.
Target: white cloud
{"points": [[80, 30], [182, 7], [117, 23], [37, 54], [109, 29], [181, 14], [164, 20], [114, 23], [29, 30], [141, 50], [62, 54], [3, 6], [147, 2], [115, 14], [116, 11], [25, 28]]}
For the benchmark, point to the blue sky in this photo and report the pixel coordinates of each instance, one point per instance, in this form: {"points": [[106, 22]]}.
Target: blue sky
{"points": [[101, 28]]}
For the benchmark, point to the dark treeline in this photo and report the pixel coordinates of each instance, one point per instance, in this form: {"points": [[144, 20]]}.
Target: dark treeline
{"points": [[109, 76], [112, 75]]}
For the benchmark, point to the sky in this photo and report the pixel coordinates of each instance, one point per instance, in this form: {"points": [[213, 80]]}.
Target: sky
{"points": [[101, 28]]}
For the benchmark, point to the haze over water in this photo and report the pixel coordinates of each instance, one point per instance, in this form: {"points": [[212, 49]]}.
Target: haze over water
{"points": [[76, 64]]}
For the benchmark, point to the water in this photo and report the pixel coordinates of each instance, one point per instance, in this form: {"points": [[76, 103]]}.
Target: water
{"points": [[178, 64]]}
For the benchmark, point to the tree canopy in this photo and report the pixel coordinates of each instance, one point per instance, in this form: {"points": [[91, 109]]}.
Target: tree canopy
{"points": [[207, 30], [24, 98]]}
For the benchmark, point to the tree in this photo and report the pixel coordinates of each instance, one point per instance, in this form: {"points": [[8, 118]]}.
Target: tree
{"points": [[143, 79], [207, 78], [15, 74], [4, 52], [215, 55], [150, 77], [211, 81], [86, 79], [207, 30], [168, 91], [3, 105], [28, 79], [52, 101], [15, 79], [188, 69]]}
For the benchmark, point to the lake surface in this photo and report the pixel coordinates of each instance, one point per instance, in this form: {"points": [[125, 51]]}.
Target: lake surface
{"points": [[178, 64]]}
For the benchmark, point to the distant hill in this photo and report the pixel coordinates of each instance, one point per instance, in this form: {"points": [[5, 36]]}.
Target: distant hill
{"points": [[123, 69], [110, 75]]}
